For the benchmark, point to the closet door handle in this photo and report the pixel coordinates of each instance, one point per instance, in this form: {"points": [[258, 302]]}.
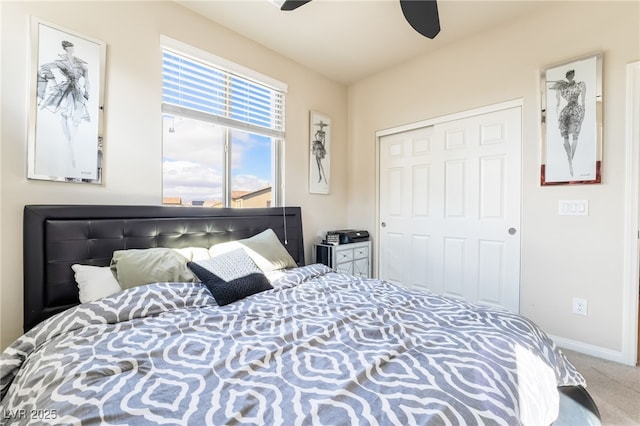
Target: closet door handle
{"points": [[512, 231], [383, 224]]}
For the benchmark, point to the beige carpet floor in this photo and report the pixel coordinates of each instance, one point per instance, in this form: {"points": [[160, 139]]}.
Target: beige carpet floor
{"points": [[614, 387]]}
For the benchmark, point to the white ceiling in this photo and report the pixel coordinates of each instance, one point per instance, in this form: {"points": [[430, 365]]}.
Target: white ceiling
{"points": [[347, 40]]}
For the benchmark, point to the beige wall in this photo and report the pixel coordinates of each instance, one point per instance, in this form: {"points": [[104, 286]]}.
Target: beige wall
{"points": [[562, 256], [132, 120]]}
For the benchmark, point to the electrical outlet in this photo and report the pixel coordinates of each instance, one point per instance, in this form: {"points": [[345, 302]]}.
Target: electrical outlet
{"points": [[579, 306]]}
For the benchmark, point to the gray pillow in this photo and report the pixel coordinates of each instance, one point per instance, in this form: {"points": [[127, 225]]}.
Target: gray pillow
{"points": [[145, 266], [265, 249]]}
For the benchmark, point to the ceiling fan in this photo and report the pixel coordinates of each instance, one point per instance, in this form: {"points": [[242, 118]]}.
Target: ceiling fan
{"points": [[422, 15]]}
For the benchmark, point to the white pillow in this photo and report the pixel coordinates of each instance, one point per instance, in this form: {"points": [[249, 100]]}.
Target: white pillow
{"points": [[94, 282]]}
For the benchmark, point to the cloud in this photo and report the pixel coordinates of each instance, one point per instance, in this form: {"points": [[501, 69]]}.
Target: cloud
{"points": [[191, 181], [193, 160], [195, 181], [249, 183], [192, 140]]}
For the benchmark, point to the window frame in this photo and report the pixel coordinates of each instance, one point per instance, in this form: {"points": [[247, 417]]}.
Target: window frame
{"points": [[277, 135]]}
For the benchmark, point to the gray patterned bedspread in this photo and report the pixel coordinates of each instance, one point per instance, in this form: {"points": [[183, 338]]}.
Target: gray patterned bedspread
{"points": [[320, 348]]}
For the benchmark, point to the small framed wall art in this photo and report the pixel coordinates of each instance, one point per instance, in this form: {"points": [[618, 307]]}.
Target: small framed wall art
{"points": [[320, 153], [66, 105], [571, 119]]}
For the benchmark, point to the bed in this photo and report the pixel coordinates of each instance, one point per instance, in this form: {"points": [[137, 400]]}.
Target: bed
{"points": [[310, 346]]}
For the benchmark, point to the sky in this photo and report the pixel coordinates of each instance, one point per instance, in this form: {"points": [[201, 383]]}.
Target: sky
{"points": [[193, 160]]}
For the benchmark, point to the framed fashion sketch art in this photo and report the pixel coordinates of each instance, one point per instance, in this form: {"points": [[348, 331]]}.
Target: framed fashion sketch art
{"points": [[66, 107], [571, 118], [319, 153]]}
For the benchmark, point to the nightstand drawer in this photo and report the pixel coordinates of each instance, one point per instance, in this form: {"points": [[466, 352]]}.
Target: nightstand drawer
{"points": [[343, 255], [361, 252], [345, 268]]}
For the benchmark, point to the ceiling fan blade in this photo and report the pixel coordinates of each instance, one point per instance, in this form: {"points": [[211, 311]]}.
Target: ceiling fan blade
{"points": [[422, 15], [293, 4]]}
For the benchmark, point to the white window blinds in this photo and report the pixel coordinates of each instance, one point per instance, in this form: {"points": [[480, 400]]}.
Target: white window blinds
{"points": [[207, 91]]}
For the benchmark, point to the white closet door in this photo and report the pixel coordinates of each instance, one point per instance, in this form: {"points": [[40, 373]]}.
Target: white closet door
{"points": [[450, 208]]}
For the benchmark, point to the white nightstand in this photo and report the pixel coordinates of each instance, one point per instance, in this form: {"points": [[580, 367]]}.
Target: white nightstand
{"points": [[352, 258]]}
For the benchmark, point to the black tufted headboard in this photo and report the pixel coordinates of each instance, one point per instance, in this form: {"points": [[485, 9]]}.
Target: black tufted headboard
{"points": [[57, 236]]}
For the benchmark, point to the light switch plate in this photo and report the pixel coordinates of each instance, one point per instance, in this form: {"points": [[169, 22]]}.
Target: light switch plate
{"points": [[573, 207]]}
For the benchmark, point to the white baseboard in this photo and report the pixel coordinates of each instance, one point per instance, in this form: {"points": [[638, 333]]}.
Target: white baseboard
{"points": [[592, 350]]}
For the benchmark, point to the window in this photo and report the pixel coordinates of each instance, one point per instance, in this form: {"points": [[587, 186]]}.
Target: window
{"points": [[222, 131]]}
